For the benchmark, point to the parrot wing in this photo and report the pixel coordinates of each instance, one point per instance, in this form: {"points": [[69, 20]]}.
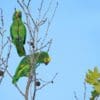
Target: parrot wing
{"points": [[22, 31], [21, 70], [18, 35]]}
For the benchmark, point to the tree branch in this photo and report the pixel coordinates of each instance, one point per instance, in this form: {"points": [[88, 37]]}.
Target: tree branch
{"points": [[34, 29]]}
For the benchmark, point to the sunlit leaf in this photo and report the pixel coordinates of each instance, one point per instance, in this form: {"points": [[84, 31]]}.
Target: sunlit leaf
{"points": [[92, 77]]}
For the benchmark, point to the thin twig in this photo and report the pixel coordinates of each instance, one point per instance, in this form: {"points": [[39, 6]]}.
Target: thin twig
{"points": [[49, 23], [29, 13], [50, 45], [5, 62], [40, 9], [49, 82], [28, 3], [16, 84], [54, 11], [2, 19], [84, 90], [4, 44], [75, 96], [18, 1], [45, 45], [47, 9]]}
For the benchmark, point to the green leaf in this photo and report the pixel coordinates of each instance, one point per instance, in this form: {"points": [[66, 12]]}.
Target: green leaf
{"points": [[94, 94], [97, 87], [92, 77]]}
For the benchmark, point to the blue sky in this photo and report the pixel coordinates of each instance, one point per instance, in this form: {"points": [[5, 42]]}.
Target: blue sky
{"points": [[76, 48]]}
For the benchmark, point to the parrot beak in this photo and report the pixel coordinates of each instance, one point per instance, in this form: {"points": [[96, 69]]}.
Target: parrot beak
{"points": [[1, 73], [47, 61]]}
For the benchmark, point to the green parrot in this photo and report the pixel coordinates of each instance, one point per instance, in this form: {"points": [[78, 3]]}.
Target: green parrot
{"points": [[18, 32], [33, 60]]}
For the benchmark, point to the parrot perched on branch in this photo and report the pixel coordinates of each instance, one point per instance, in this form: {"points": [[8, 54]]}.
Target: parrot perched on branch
{"points": [[30, 63], [18, 32]]}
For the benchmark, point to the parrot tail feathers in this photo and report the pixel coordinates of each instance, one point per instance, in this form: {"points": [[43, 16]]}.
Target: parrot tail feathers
{"points": [[15, 79], [20, 50]]}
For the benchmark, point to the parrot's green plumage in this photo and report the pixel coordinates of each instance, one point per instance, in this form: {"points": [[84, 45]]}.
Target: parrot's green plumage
{"points": [[24, 67], [18, 32]]}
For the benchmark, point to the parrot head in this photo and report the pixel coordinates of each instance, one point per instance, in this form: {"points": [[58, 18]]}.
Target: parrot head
{"points": [[17, 14], [43, 57]]}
